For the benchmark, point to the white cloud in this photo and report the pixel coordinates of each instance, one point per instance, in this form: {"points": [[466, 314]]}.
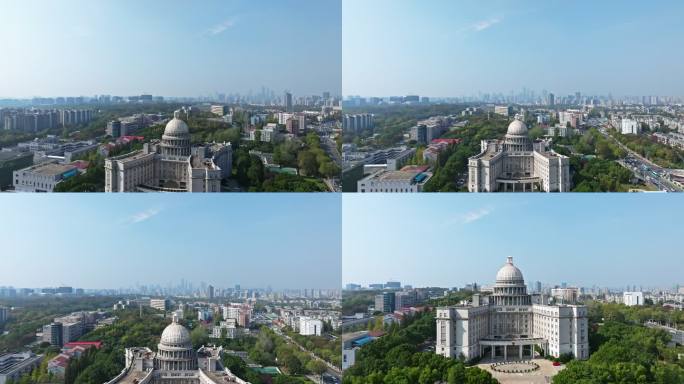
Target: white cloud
{"points": [[476, 215], [143, 216], [484, 24], [222, 27], [471, 216]]}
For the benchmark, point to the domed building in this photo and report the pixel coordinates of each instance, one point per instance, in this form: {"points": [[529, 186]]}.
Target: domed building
{"points": [[516, 164], [171, 164], [175, 362], [507, 323]]}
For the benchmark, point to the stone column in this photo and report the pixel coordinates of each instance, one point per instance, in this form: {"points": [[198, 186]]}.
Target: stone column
{"points": [[521, 351], [505, 347], [493, 351]]}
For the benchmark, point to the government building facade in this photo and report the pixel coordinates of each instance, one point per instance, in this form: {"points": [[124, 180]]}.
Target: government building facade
{"points": [[175, 362], [510, 324], [516, 164], [170, 164]]}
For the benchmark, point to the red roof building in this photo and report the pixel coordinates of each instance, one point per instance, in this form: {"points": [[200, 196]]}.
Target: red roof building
{"points": [[448, 141]]}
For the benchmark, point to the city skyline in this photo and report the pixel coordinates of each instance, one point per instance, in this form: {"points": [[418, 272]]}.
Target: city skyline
{"points": [[456, 240], [166, 49], [107, 242], [446, 49]]}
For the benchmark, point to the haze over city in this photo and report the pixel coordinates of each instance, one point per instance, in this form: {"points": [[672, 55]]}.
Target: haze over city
{"points": [[119, 241], [168, 48], [444, 48], [453, 240]]}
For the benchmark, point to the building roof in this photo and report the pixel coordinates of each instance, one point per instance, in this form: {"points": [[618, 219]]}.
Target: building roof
{"points": [[96, 344], [51, 169], [509, 273], [176, 126], [12, 155], [175, 334], [516, 128]]}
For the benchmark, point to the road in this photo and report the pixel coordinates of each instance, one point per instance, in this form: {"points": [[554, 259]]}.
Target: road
{"points": [[644, 168], [333, 374], [330, 147]]}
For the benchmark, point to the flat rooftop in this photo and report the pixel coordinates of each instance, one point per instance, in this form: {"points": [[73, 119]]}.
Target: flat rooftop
{"points": [[133, 377], [51, 169], [12, 155]]}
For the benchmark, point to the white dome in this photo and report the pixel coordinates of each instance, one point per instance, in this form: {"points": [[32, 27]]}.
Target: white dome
{"points": [[509, 273], [176, 126], [517, 128], [175, 334]]}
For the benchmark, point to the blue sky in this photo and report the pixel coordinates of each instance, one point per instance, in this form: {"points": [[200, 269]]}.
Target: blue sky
{"points": [[113, 241], [455, 48], [449, 240], [169, 47]]}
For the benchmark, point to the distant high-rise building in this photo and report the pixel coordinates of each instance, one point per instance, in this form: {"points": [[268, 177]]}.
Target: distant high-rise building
{"points": [[160, 304], [504, 110], [552, 99], [358, 123], [310, 327], [52, 333], [114, 128], [385, 302], [393, 285], [630, 127], [287, 102], [210, 292], [633, 298], [4, 314]]}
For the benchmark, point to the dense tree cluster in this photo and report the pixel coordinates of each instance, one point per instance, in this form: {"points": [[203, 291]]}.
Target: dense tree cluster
{"points": [[323, 347], [625, 353], [393, 121], [357, 302], [661, 154], [396, 358], [101, 365], [453, 162], [599, 175], [34, 312]]}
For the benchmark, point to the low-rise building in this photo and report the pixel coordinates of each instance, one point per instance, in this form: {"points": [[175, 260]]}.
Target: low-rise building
{"points": [[43, 177], [160, 304], [310, 327], [631, 299], [15, 365], [408, 179]]}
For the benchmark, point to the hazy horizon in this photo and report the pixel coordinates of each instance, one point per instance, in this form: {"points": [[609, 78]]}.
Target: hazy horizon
{"points": [[166, 48], [451, 49], [98, 241], [449, 240]]}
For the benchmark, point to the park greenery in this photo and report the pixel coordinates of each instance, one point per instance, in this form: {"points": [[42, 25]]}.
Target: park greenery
{"points": [[326, 348], [269, 349], [401, 357], [305, 155], [31, 313], [661, 154], [357, 301], [624, 351], [392, 122], [452, 163], [593, 163]]}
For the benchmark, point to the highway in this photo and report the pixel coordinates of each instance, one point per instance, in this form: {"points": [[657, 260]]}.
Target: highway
{"points": [[643, 168], [332, 376]]}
